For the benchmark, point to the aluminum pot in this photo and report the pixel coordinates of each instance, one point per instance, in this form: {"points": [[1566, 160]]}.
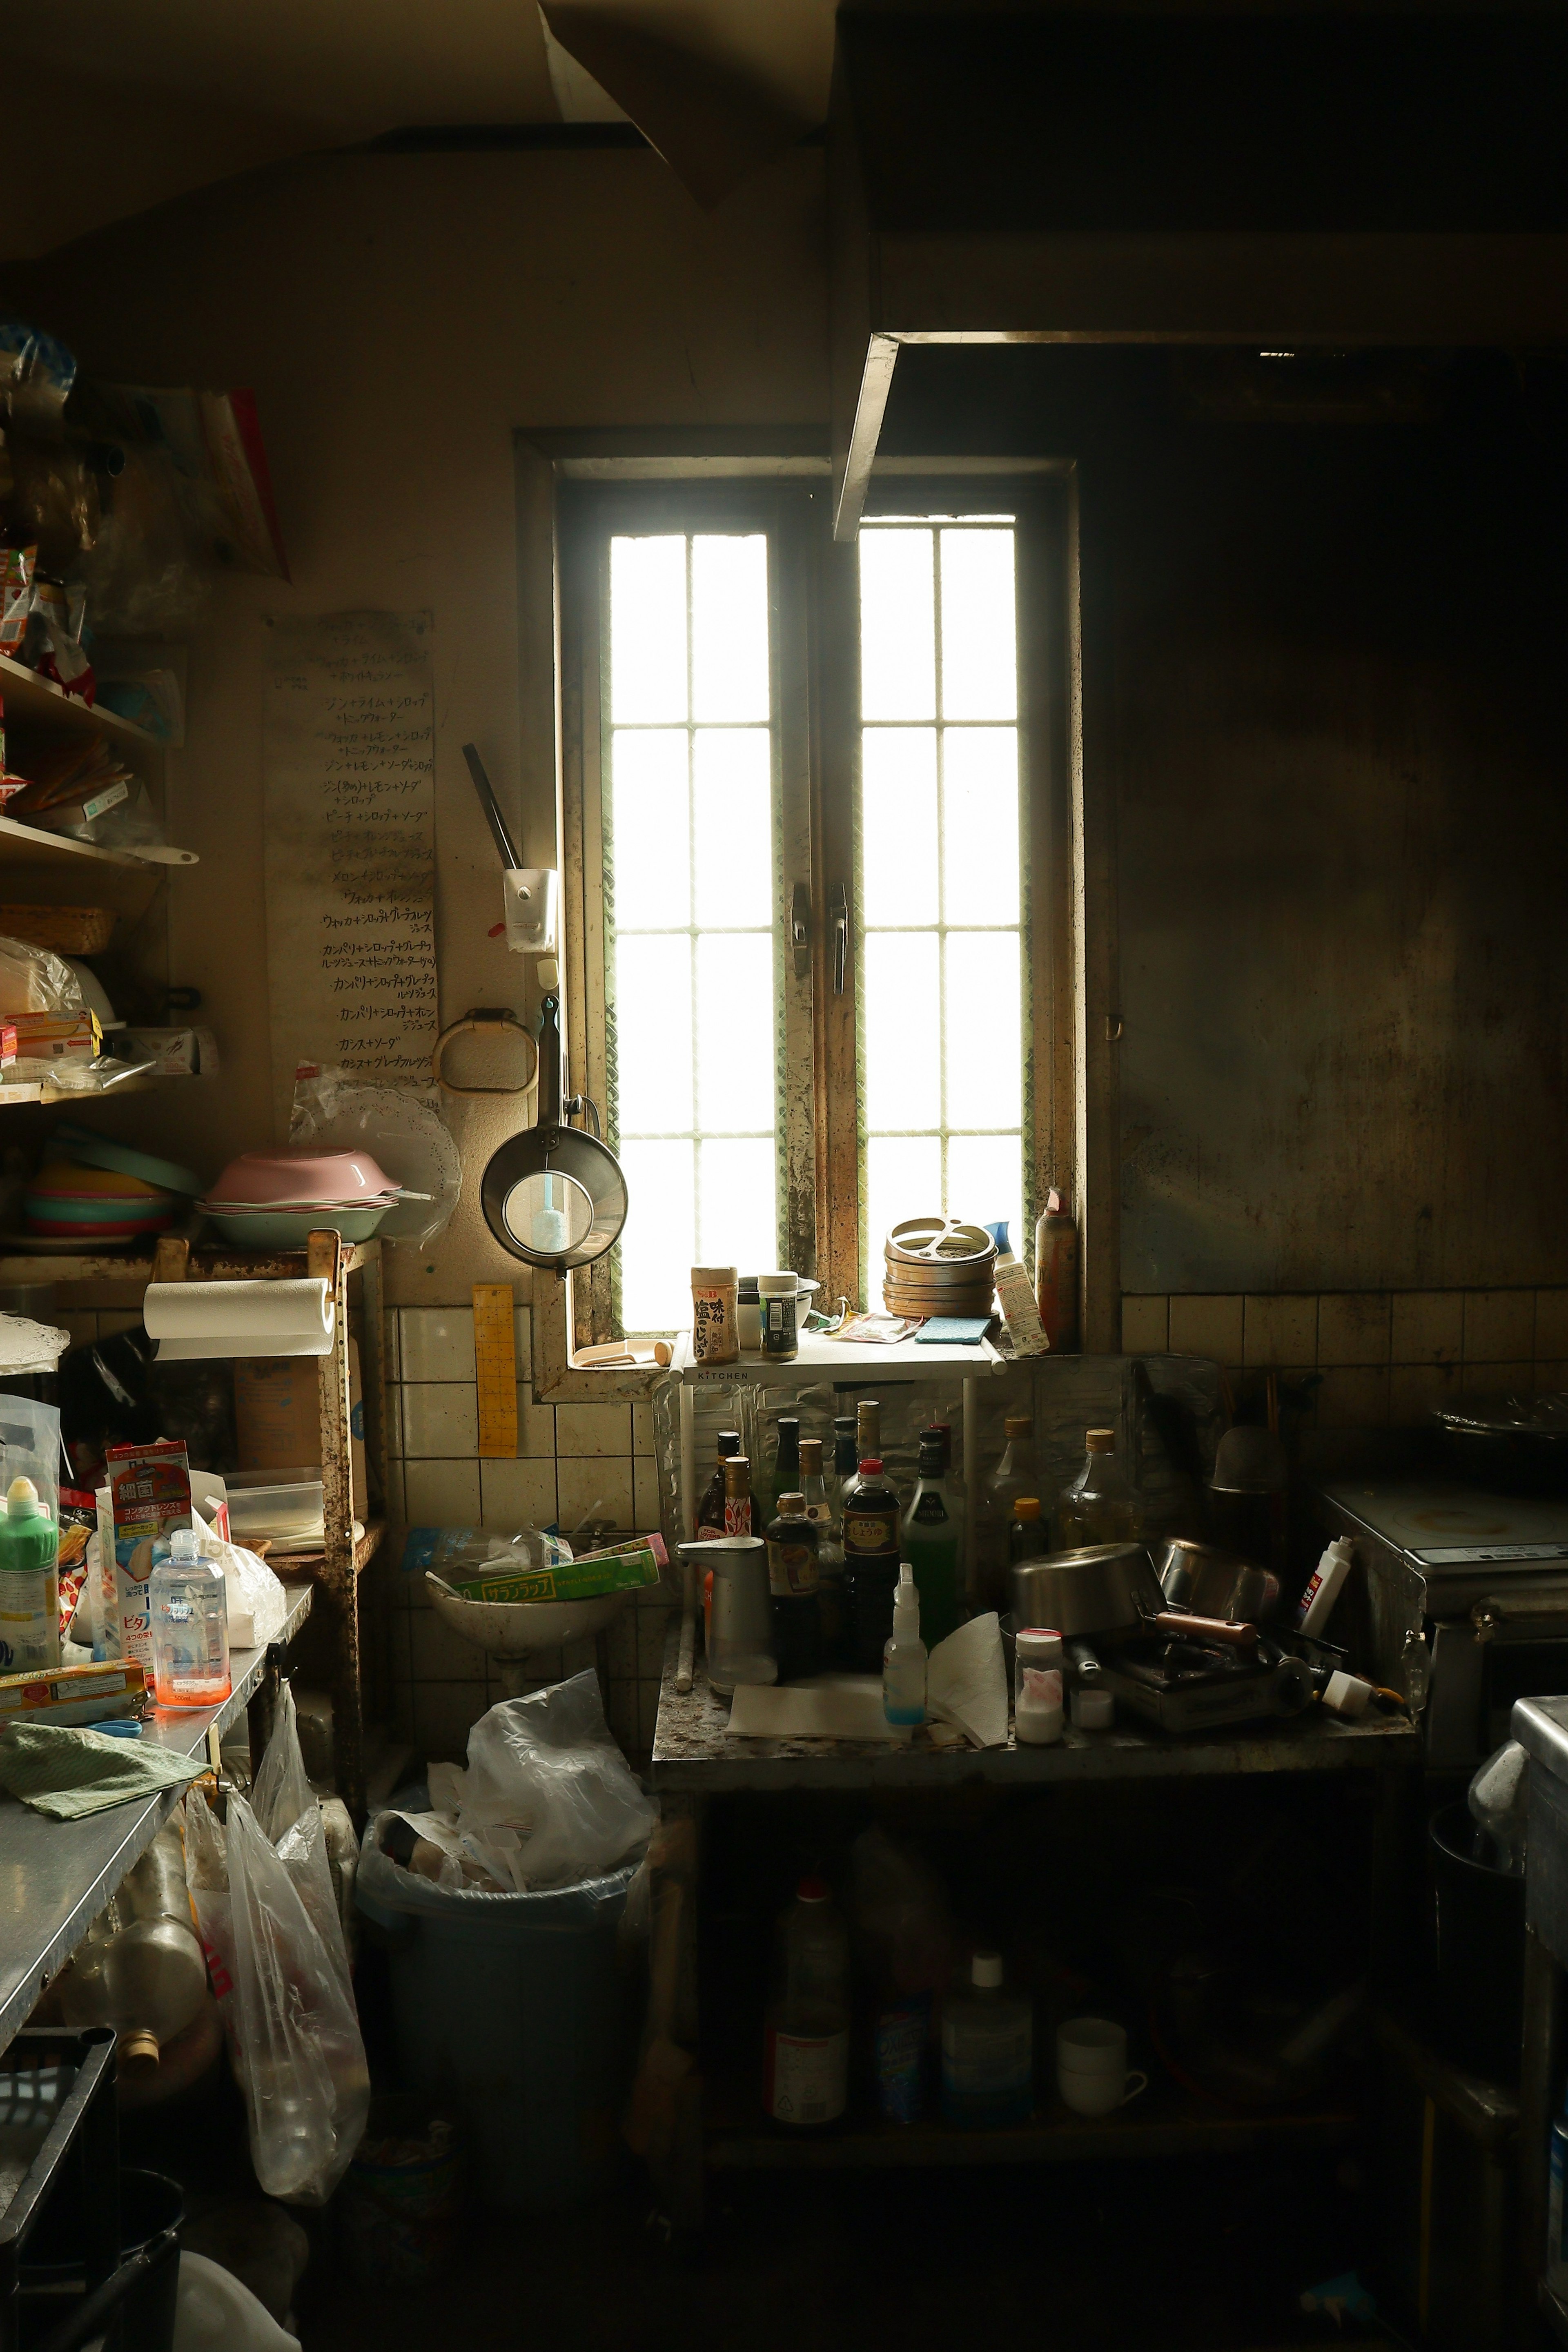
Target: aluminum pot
{"points": [[1213, 1583], [1099, 1589]]}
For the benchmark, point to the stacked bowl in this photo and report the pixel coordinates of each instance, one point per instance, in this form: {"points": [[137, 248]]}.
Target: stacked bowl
{"points": [[91, 1191], [272, 1199]]}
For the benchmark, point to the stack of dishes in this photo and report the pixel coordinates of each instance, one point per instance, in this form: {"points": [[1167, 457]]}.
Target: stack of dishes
{"points": [[937, 1265], [92, 1193], [272, 1199]]}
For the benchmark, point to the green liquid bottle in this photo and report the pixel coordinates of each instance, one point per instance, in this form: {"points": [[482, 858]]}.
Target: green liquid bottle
{"points": [[932, 1539]]}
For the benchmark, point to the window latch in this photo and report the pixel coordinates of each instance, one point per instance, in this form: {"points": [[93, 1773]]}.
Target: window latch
{"points": [[839, 918], [800, 930]]}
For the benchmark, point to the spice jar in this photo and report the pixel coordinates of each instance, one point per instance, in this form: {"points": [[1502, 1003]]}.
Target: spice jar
{"points": [[715, 1321], [750, 1315], [1037, 1680], [776, 1293]]}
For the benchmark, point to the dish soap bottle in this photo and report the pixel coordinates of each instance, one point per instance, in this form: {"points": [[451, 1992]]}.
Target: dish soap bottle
{"points": [[904, 1659], [805, 2048], [29, 1582], [187, 1601], [1101, 1505], [987, 2051], [932, 1537]]}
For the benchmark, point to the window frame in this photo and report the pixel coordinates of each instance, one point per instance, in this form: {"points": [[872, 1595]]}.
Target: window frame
{"points": [[814, 622]]}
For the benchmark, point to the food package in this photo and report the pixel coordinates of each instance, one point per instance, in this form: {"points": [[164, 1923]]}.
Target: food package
{"points": [[624, 1568], [74, 1695], [16, 568], [35, 979], [78, 1521], [149, 1497]]}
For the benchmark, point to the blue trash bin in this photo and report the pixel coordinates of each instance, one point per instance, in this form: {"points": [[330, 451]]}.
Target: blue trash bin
{"points": [[510, 2008]]}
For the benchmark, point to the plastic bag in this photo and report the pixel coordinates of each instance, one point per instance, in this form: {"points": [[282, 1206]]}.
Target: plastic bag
{"points": [[36, 979], [254, 1592], [1499, 1794], [402, 1125], [288, 1814]]}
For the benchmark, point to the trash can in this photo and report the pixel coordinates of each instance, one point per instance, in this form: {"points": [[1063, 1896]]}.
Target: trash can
{"points": [[150, 2207], [1479, 1907], [509, 2008]]}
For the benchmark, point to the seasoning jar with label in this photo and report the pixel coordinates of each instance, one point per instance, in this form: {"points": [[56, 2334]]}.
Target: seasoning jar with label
{"points": [[749, 1315], [793, 1585], [715, 1319], [870, 1566], [738, 1512], [819, 1510], [777, 1295], [805, 2049]]}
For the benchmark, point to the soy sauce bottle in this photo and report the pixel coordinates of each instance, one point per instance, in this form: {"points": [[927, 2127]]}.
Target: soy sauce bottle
{"points": [[791, 1585], [870, 1566]]}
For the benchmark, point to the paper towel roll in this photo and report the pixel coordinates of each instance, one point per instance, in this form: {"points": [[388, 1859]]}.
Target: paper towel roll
{"points": [[192, 1319]]}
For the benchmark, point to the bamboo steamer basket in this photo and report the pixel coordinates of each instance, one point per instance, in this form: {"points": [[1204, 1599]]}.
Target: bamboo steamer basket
{"points": [[938, 1265]]}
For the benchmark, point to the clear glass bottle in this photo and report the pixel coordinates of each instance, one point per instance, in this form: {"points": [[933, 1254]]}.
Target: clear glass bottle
{"points": [[1102, 1505], [1017, 1473], [846, 1458], [1029, 1537], [188, 1602], [904, 1658], [711, 1509], [988, 2050], [786, 1460], [821, 1510], [805, 2053], [739, 1515], [932, 1538]]}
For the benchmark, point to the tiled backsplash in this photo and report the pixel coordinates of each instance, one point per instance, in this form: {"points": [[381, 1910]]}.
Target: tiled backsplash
{"points": [[1385, 1357], [572, 1461]]}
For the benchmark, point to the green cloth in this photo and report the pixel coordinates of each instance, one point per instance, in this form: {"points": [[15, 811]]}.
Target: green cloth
{"points": [[69, 1773]]}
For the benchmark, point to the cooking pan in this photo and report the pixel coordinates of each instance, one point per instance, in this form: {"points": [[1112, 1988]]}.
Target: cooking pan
{"points": [[1097, 1589], [1514, 1445], [553, 1195]]}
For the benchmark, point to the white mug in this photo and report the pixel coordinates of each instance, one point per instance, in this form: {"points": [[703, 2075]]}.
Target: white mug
{"points": [[1091, 2067]]}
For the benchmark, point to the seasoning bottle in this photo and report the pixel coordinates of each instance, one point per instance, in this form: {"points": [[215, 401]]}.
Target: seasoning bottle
{"points": [[1017, 1473], [806, 2045], [29, 1582], [932, 1538], [845, 1456], [738, 1512], [187, 1599], [1037, 1684], [988, 2050], [819, 1510], [777, 1295], [749, 1316], [715, 1328], [904, 1657], [1028, 1538], [711, 1509], [1056, 1274], [1101, 1505], [792, 1583], [870, 1566], [786, 1460]]}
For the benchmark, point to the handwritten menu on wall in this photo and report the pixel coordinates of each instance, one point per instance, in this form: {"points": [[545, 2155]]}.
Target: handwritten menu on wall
{"points": [[349, 757]]}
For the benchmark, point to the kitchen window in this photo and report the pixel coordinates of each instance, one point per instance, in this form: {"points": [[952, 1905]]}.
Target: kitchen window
{"points": [[807, 798]]}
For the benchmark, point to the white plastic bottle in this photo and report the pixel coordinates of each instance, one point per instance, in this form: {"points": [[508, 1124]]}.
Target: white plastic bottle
{"points": [[188, 1604], [988, 2050], [904, 1657], [1037, 1705], [1325, 1586], [806, 2035]]}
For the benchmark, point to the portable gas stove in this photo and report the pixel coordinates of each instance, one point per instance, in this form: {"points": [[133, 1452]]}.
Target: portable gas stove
{"points": [[1185, 1685]]}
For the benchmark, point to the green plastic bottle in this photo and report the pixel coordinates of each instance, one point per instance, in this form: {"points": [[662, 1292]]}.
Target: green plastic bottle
{"points": [[29, 1582]]}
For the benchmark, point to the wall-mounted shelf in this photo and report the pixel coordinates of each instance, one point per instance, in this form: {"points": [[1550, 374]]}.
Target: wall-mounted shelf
{"points": [[29, 845], [40, 702], [825, 1358], [44, 1090]]}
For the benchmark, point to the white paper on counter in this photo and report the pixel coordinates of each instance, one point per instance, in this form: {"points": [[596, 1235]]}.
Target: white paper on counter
{"points": [[967, 1682], [193, 1320], [823, 1707]]}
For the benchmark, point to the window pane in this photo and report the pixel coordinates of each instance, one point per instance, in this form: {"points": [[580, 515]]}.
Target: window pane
{"points": [[980, 825], [898, 825], [658, 1248], [903, 1179], [737, 1220], [984, 1043], [735, 1033], [902, 1031], [648, 630], [648, 829], [985, 1180], [733, 811], [729, 627], [897, 636], [653, 1034], [979, 632]]}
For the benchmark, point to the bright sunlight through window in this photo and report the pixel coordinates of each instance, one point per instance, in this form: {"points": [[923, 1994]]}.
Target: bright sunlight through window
{"points": [[689, 913], [941, 970]]}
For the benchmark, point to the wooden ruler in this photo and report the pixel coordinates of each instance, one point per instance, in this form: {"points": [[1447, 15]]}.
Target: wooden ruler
{"points": [[495, 1355]]}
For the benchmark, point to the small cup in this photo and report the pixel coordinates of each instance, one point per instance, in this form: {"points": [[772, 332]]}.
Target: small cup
{"points": [[1091, 2067]]}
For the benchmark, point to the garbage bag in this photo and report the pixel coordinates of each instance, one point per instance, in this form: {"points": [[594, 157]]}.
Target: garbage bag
{"points": [[288, 2014], [289, 1816]]}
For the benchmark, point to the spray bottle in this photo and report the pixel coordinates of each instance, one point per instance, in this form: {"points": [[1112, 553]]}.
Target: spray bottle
{"points": [[904, 1659]]}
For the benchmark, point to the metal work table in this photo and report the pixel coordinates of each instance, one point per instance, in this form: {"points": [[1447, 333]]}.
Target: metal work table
{"points": [[56, 1876], [694, 1753]]}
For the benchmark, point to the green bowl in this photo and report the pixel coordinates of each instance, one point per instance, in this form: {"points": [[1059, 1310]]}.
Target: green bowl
{"points": [[283, 1229]]}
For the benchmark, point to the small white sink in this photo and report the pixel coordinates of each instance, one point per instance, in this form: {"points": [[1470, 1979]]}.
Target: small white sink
{"points": [[515, 1629]]}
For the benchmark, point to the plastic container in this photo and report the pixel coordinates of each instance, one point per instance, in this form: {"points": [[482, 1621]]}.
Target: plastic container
{"points": [[187, 1598], [776, 1294], [715, 1328], [286, 1507], [805, 2042], [1056, 1274], [140, 1967], [1038, 1674], [904, 1658], [508, 2010], [29, 1582], [1324, 1587], [987, 2051]]}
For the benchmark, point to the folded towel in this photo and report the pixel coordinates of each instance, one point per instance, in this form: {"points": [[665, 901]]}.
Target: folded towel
{"points": [[67, 1774]]}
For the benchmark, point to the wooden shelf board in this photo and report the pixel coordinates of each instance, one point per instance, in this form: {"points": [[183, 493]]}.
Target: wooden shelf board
{"points": [[32, 698], [43, 1092], [208, 1265], [302, 1566], [28, 844]]}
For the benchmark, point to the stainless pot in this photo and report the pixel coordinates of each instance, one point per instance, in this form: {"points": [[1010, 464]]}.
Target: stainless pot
{"points": [[1213, 1583], [1099, 1589]]}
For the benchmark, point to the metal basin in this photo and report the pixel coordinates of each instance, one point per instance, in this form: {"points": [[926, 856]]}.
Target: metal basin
{"points": [[1097, 1589]]}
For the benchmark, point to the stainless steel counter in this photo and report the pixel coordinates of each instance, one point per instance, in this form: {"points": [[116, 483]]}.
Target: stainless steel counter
{"points": [[56, 1876]]}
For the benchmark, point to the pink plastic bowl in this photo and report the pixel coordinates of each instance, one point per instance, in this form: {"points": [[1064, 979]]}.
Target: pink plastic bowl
{"points": [[263, 1179]]}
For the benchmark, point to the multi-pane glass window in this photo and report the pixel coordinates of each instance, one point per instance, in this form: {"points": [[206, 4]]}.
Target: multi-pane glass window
{"points": [[690, 893], [942, 975]]}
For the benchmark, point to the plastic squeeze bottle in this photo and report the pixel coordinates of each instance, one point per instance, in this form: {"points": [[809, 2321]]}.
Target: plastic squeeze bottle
{"points": [[188, 1602], [904, 1659], [29, 1582]]}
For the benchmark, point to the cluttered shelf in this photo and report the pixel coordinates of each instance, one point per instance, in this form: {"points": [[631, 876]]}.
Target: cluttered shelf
{"points": [[1168, 2121], [209, 1262], [39, 700], [693, 1751], [29, 845], [43, 1091], [56, 1876], [299, 1567]]}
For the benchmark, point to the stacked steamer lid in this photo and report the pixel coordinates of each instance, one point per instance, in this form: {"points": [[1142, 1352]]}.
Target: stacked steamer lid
{"points": [[92, 1191], [938, 1265]]}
